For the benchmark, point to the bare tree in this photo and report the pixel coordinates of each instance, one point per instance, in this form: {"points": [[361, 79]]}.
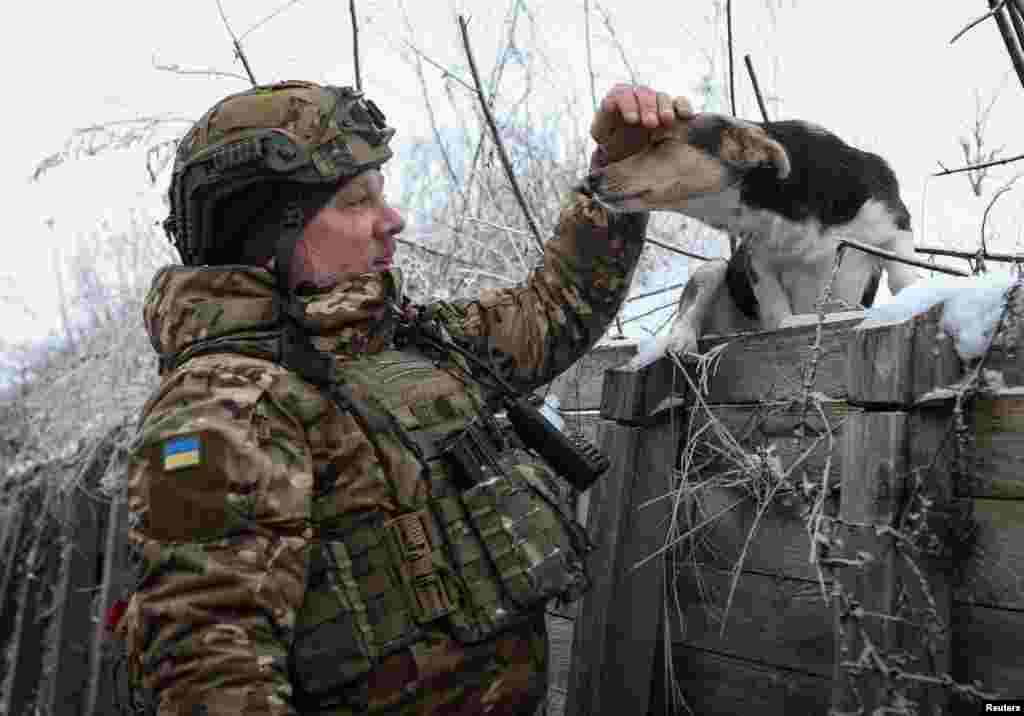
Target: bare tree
{"points": [[974, 145]]}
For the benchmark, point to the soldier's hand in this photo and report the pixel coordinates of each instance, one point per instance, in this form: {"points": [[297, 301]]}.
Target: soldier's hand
{"points": [[628, 114]]}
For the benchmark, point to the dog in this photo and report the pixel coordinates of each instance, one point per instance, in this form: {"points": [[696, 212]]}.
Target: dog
{"points": [[788, 190]]}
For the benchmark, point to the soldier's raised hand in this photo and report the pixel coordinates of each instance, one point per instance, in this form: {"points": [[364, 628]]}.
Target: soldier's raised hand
{"points": [[626, 117]]}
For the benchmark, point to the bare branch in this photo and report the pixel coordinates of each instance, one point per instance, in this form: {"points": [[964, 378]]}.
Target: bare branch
{"points": [[1013, 44], [984, 217], [732, 73], [882, 253], [958, 254], [445, 72], [590, 63], [268, 18], [757, 87], [677, 250], [497, 138], [979, 166], [179, 70], [239, 53], [980, 20], [355, 42], [615, 40]]}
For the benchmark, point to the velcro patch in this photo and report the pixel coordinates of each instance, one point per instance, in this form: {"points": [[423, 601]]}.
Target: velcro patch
{"points": [[181, 452]]}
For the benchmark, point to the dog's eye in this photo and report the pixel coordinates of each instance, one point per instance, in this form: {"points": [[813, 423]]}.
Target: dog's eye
{"points": [[659, 142]]}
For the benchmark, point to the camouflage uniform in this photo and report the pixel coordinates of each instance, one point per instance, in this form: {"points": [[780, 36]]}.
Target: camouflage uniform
{"points": [[242, 471]]}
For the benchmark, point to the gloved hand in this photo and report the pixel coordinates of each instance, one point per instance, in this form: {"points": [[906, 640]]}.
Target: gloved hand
{"points": [[626, 118]]}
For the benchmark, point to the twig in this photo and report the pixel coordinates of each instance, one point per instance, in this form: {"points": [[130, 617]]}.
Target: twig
{"points": [[179, 70], [639, 296], [239, 52], [590, 64], [980, 20], [615, 40], [439, 254], [1013, 46], [445, 72], [991, 203], [955, 253], [648, 313], [497, 138], [757, 88], [882, 253], [983, 165], [728, 30], [260, 23], [682, 252], [355, 42]]}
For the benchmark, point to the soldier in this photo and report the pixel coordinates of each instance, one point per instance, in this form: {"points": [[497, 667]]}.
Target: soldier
{"points": [[309, 544]]}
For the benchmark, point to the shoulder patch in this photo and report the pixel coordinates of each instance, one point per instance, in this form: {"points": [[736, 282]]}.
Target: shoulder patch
{"points": [[182, 451]]}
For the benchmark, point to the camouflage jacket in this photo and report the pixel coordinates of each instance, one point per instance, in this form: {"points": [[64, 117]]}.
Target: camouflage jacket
{"points": [[227, 554]]}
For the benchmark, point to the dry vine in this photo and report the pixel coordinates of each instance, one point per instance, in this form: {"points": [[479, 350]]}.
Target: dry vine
{"points": [[758, 477]]}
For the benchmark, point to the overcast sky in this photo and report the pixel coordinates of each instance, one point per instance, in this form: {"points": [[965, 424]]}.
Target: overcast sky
{"points": [[882, 75]]}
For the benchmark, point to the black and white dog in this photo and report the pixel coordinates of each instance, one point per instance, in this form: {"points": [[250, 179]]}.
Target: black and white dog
{"points": [[788, 190]]}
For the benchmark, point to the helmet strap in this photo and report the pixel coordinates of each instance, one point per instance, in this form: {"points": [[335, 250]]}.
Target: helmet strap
{"points": [[295, 351]]}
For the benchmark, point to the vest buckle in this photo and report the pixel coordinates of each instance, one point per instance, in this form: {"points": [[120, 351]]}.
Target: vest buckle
{"points": [[410, 535]]}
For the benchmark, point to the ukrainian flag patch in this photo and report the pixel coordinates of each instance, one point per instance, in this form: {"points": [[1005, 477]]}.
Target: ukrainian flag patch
{"points": [[181, 452]]}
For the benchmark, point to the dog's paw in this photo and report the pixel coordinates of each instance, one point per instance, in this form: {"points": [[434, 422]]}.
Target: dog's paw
{"points": [[678, 342]]}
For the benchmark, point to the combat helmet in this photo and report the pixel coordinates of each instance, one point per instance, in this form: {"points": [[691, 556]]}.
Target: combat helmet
{"points": [[297, 139]]}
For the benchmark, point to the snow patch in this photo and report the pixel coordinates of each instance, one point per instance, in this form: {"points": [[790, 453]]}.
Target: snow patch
{"points": [[971, 307]]}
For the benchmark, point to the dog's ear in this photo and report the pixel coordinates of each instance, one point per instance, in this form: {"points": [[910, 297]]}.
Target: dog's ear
{"points": [[747, 145]]}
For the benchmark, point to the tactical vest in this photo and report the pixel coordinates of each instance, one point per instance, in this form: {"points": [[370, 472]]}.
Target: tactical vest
{"points": [[476, 560]]}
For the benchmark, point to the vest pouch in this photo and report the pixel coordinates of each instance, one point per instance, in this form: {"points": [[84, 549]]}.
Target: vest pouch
{"points": [[358, 607], [530, 549]]}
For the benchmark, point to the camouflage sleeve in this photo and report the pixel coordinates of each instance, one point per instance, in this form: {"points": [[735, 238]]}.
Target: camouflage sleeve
{"points": [[220, 485], [533, 332]]}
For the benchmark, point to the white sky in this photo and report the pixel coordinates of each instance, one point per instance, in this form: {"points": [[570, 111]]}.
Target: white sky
{"points": [[882, 75]]}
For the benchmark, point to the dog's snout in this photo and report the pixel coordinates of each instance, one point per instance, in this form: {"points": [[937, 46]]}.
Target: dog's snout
{"points": [[592, 182]]}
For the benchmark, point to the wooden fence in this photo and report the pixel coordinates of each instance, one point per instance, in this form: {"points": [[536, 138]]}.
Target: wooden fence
{"points": [[63, 559], [65, 553], [896, 458]]}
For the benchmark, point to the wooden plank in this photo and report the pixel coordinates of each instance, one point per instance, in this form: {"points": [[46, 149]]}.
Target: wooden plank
{"points": [[766, 365], [579, 387], [780, 544], [987, 643], [616, 631], [877, 488], [66, 659], [897, 362], [772, 620], [994, 453], [718, 685], [100, 691], [606, 524], [23, 655], [872, 493], [994, 573]]}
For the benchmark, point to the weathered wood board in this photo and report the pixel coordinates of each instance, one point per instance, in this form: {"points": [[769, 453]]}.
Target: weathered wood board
{"points": [[898, 362], [719, 685], [987, 648], [772, 620], [766, 365], [616, 629], [579, 387], [994, 573], [780, 544]]}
